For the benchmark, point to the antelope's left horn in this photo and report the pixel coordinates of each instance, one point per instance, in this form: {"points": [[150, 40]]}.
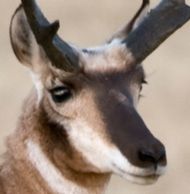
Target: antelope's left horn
{"points": [[60, 53]]}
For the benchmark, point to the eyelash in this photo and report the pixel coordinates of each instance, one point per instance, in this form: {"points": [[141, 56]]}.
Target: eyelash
{"points": [[60, 94], [143, 82]]}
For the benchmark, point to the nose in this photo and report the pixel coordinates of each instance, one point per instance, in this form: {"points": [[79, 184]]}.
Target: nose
{"points": [[153, 155]]}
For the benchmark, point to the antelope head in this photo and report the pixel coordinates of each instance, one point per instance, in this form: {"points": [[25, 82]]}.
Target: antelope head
{"points": [[91, 94]]}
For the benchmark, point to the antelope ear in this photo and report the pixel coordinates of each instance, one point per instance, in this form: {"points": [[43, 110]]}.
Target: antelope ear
{"points": [[23, 41], [133, 24]]}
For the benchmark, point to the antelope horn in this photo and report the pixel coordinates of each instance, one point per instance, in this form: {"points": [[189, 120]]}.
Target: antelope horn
{"points": [[123, 32], [61, 54], [161, 22]]}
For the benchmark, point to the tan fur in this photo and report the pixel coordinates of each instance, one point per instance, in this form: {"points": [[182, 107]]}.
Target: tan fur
{"points": [[118, 58], [27, 179], [72, 146]]}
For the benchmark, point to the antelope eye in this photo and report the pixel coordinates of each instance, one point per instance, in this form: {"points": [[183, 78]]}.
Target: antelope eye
{"points": [[60, 94], [143, 81]]}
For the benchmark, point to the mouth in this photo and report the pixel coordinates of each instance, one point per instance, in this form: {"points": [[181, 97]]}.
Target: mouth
{"points": [[141, 178]]}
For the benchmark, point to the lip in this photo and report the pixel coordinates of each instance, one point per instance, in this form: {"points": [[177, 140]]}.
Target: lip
{"points": [[142, 180], [146, 179]]}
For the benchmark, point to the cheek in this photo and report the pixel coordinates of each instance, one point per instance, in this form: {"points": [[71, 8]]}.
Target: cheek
{"points": [[95, 148], [74, 107], [87, 134], [80, 106]]}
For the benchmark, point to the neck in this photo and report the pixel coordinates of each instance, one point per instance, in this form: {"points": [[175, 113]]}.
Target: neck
{"points": [[41, 156], [71, 182]]}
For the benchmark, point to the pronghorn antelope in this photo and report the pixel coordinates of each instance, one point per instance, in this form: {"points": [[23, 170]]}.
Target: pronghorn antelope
{"points": [[79, 124]]}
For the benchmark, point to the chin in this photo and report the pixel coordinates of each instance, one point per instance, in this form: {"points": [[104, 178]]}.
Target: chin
{"points": [[139, 175], [141, 180]]}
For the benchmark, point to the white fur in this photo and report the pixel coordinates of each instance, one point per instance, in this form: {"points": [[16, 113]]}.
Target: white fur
{"points": [[102, 48], [103, 155], [51, 175], [109, 57]]}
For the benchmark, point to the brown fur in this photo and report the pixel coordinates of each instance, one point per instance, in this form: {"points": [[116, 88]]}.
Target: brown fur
{"points": [[27, 179], [100, 110]]}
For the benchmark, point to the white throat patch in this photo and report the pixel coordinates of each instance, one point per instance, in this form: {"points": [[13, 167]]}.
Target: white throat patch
{"points": [[50, 174]]}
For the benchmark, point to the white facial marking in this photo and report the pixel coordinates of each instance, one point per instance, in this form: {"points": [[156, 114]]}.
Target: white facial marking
{"points": [[106, 157], [50, 174], [109, 57], [115, 41], [102, 48]]}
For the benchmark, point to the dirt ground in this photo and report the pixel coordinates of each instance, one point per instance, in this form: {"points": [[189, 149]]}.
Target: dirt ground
{"points": [[166, 106]]}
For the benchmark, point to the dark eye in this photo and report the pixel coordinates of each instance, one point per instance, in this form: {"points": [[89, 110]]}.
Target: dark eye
{"points": [[143, 81], [60, 94]]}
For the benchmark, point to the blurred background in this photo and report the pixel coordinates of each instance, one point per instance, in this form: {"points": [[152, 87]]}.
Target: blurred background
{"points": [[165, 107]]}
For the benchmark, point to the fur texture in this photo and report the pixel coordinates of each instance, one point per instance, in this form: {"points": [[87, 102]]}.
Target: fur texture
{"points": [[73, 145]]}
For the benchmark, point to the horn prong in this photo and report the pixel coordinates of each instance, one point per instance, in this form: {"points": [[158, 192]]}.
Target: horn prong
{"points": [[49, 32], [46, 36]]}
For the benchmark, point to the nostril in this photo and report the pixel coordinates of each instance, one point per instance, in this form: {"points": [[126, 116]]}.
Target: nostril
{"points": [[146, 156], [156, 157]]}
